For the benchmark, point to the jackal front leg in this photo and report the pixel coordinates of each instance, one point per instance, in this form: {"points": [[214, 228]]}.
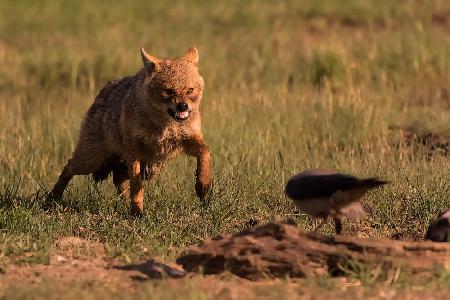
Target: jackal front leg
{"points": [[197, 147], [136, 189]]}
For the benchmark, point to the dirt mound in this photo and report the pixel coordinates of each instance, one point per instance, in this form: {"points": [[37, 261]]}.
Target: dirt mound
{"points": [[279, 250], [75, 247], [419, 139]]}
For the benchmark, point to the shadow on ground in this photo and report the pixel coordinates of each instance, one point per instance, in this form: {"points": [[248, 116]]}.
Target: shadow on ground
{"points": [[151, 269]]}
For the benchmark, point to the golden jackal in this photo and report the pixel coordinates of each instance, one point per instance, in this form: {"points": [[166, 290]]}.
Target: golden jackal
{"points": [[139, 122]]}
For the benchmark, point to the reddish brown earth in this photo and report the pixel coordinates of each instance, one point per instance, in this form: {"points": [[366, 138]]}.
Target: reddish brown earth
{"points": [[246, 265], [279, 250]]}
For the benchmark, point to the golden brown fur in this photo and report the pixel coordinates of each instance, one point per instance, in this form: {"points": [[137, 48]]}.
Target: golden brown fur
{"points": [[138, 123]]}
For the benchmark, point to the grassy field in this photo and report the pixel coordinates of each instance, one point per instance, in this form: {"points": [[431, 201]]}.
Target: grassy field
{"points": [[290, 85]]}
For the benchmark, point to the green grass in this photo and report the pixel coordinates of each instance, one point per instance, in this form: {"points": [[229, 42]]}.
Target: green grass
{"points": [[205, 288], [289, 85]]}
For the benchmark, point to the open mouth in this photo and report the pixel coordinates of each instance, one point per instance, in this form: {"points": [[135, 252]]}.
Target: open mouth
{"points": [[179, 116]]}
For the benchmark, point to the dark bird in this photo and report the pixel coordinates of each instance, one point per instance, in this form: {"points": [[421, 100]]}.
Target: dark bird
{"points": [[440, 229], [324, 193]]}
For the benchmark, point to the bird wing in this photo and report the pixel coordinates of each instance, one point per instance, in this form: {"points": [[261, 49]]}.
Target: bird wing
{"points": [[305, 187], [319, 186]]}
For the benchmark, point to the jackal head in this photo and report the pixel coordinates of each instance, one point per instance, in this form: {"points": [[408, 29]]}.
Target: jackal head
{"points": [[173, 87]]}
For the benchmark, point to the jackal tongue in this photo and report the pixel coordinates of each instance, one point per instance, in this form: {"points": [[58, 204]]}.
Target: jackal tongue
{"points": [[182, 114]]}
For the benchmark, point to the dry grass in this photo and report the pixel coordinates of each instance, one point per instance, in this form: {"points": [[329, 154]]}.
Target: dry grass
{"points": [[289, 85]]}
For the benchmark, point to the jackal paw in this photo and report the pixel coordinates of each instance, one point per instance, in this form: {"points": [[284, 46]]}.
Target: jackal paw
{"points": [[202, 188], [137, 209], [52, 200]]}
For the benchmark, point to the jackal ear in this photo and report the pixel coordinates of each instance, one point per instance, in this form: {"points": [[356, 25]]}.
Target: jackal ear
{"points": [[151, 63], [192, 55]]}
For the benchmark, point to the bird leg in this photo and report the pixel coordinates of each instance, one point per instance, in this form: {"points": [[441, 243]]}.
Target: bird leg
{"points": [[337, 225]]}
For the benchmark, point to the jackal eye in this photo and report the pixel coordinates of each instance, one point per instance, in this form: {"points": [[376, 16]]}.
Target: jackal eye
{"points": [[190, 90], [168, 92]]}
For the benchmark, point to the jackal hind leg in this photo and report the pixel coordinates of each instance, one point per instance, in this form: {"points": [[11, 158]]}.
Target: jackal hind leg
{"points": [[63, 180], [120, 177], [75, 166]]}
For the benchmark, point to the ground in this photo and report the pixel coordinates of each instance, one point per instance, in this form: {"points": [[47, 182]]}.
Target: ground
{"points": [[289, 85], [93, 276]]}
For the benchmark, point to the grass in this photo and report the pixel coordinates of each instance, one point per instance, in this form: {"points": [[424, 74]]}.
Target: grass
{"points": [[231, 288], [289, 85]]}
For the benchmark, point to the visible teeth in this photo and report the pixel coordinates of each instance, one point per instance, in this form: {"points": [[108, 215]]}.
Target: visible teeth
{"points": [[182, 115]]}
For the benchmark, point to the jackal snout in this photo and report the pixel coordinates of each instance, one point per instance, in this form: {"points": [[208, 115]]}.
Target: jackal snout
{"points": [[181, 111], [180, 104]]}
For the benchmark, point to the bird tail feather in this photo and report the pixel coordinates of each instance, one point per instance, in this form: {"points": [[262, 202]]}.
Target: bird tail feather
{"points": [[371, 183]]}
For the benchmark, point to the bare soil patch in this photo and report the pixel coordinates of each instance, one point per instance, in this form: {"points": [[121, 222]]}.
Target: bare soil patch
{"points": [[264, 253]]}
